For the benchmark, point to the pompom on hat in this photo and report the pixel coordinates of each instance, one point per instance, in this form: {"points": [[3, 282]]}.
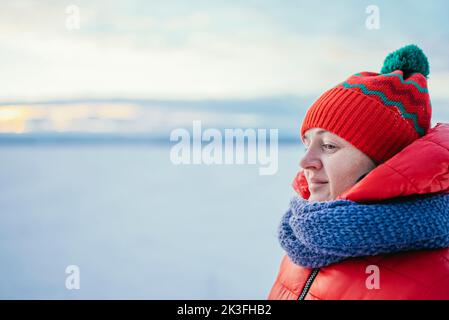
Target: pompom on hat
{"points": [[378, 113]]}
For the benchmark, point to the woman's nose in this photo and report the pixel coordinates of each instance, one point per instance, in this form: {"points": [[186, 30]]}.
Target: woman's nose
{"points": [[310, 160]]}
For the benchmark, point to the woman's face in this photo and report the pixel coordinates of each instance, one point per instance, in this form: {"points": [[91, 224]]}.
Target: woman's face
{"points": [[331, 164]]}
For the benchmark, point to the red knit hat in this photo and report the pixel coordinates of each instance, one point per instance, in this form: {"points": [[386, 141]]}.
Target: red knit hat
{"points": [[379, 114]]}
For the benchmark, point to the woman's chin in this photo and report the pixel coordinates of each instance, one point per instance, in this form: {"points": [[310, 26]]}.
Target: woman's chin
{"points": [[314, 197]]}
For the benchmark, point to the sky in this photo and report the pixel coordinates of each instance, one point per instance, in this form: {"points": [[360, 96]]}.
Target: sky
{"points": [[206, 49], [136, 55]]}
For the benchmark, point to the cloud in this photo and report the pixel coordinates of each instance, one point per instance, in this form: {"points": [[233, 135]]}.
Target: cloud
{"points": [[176, 51]]}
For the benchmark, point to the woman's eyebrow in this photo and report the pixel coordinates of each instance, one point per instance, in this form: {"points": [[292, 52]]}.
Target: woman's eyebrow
{"points": [[319, 132]]}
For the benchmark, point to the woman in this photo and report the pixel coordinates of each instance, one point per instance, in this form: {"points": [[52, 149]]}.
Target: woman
{"points": [[372, 219]]}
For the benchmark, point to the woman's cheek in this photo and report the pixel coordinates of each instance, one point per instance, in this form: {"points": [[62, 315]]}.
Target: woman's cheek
{"points": [[341, 181]]}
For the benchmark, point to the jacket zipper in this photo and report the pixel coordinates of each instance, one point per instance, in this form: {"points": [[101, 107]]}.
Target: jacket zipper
{"points": [[308, 284]]}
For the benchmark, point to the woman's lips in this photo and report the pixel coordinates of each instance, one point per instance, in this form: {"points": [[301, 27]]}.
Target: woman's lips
{"points": [[316, 180], [315, 185]]}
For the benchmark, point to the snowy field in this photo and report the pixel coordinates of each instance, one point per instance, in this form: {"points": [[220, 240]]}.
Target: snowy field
{"points": [[137, 226]]}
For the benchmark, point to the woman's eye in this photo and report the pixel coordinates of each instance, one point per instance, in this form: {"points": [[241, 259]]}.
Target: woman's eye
{"points": [[328, 146], [325, 146]]}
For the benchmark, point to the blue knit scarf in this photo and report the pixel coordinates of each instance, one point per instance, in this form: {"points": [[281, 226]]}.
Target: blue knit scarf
{"points": [[316, 234]]}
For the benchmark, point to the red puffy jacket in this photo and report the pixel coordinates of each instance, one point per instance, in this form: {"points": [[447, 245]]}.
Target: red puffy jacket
{"points": [[420, 168]]}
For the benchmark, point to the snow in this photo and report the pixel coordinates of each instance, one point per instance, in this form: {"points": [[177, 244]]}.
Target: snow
{"points": [[137, 226]]}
